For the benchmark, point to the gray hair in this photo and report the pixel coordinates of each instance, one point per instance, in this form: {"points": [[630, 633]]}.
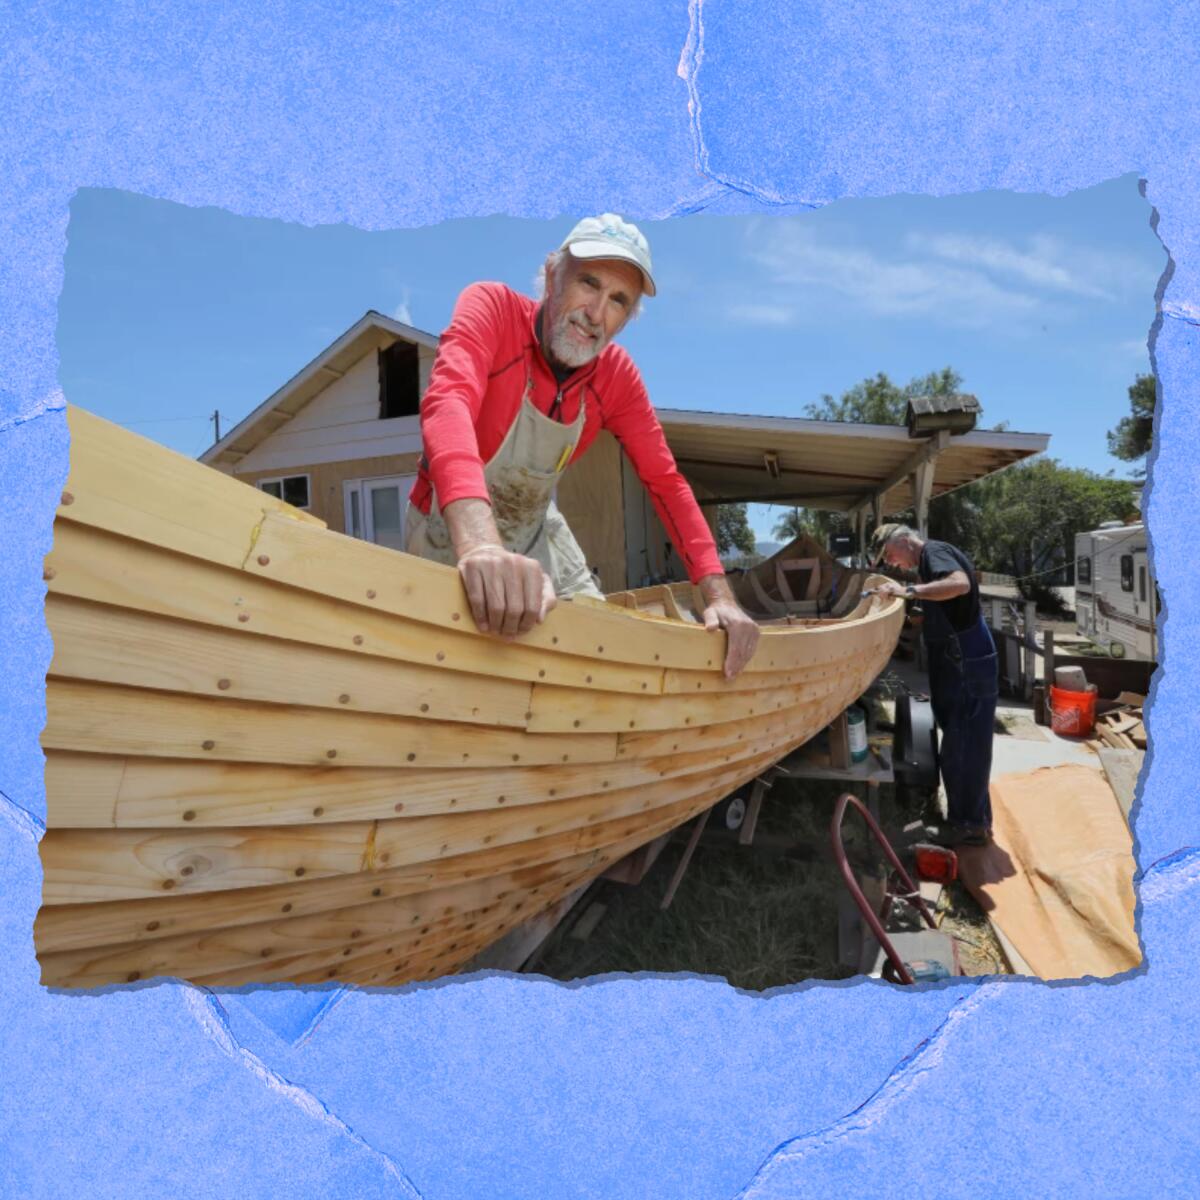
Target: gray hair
{"points": [[557, 261], [903, 531]]}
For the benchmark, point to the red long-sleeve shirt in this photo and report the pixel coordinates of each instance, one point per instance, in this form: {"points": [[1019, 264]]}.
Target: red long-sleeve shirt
{"points": [[485, 358]]}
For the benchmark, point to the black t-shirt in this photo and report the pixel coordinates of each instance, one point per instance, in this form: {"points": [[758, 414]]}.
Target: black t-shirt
{"points": [[939, 559]]}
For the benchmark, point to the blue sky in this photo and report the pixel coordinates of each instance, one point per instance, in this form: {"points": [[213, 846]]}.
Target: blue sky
{"points": [[1043, 305]]}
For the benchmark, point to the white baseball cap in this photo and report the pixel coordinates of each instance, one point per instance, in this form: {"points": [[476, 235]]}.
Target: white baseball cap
{"points": [[608, 236]]}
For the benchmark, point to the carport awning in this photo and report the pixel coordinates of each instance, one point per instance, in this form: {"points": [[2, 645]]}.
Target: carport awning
{"points": [[827, 464]]}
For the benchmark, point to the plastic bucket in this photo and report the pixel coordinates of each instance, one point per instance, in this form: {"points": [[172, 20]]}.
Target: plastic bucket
{"points": [[1072, 713]]}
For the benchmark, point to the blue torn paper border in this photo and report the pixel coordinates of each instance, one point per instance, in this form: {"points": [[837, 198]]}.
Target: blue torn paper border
{"points": [[405, 114]]}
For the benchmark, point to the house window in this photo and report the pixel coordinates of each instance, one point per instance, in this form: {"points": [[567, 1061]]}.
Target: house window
{"points": [[399, 381], [375, 509], [291, 489], [1127, 572], [1142, 584], [1083, 569]]}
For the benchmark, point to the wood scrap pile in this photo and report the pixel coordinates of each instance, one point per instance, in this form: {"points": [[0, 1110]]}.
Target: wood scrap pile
{"points": [[1121, 726]]}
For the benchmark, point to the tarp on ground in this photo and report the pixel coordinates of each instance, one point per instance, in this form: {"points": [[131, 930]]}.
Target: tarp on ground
{"points": [[1058, 878]]}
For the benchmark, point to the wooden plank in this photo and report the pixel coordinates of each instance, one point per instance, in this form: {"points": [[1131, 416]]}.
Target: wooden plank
{"points": [[94, 791], [125, 483], [93, 565], [111, 645], [109, 719], [320, 937], [1123, 768], [564, 710], [76, 926], [526, 886], [95, 865]]}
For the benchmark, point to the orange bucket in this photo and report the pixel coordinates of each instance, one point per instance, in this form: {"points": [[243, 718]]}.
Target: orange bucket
{"points": [[1072, 713]]}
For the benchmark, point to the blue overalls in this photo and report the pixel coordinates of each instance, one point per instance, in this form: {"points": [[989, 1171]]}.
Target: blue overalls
{"points": [[964, 684]]}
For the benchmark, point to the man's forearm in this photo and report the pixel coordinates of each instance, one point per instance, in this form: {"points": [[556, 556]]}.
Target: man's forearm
{"points": [[714, 588], [471, 525], [943, 589]]}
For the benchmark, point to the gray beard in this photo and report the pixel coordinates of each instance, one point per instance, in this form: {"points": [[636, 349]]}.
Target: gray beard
{"points": [[566, 352]]}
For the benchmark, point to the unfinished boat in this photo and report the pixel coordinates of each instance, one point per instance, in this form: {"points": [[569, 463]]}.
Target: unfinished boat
{"points": [[277, 753]]}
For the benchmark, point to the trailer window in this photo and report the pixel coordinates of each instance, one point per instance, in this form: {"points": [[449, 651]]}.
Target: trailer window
{"points": [[1142, 584], [1127, 572], [1083, 569]]}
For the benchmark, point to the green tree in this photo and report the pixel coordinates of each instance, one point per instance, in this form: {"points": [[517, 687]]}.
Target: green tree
{"points": [[1022, 521], [796, 521], [1130, 440], [879, 401], [733, 530]]}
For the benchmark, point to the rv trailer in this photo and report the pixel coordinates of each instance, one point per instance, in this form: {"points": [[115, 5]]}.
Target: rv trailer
{"points": [[1116, 601]]}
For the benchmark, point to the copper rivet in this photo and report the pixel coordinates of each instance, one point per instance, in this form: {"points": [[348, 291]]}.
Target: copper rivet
{"points": [[441, 656], [152, 926], [554, 640], [187, 870], [299, 870], [49, 573], [377, 892], [344, 698], [411, 757], [576, 724], [554, 791], [223, 684], [168, 884], [331, 754], [263, 560], [190, 815], [599, 649], [370, 593], [265, 952], [358, 641], [529, 716], [541, 674], [318, 811], [499, 799], [400, 805], [424, 707], [67, 498], [207, 745], [243, 617], [516, 758], [356, 933], [287, 907], [589, 679], [456, 616], [133, 976]]}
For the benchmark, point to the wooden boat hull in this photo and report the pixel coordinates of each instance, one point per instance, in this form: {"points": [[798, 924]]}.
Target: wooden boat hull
{"points": [[276, 753]]}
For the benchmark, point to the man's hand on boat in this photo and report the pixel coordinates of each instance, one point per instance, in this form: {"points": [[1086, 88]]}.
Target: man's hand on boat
{"points": [[508, 593], [722, 611]]}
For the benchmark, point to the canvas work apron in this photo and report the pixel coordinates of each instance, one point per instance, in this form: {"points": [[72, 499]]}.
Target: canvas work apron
{"points": [[521, 477]]}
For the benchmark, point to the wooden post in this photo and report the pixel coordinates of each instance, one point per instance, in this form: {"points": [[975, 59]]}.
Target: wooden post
{"points": [[1030, 648], [839, 742], [693, 841]]}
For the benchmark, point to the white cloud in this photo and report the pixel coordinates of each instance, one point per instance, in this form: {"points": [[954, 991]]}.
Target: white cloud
{"points": [[803, 269], [1045, 262], [402, 312], [763, 314]]}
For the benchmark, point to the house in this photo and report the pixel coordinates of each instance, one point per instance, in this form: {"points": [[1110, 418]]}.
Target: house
{"points": [[342, 440]]}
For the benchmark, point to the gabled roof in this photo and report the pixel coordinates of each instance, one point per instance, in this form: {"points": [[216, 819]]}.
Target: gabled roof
{"points": [[373, 331]]}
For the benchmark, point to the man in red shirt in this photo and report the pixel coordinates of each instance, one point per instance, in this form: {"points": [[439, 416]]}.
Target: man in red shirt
{"points": [[518, 391]]}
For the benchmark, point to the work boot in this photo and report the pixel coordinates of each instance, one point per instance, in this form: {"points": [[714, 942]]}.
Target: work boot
{"points": [[955, 833]]}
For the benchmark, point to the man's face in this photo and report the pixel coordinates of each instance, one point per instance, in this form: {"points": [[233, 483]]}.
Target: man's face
{"points": [[901, 553], [588, 301]]}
